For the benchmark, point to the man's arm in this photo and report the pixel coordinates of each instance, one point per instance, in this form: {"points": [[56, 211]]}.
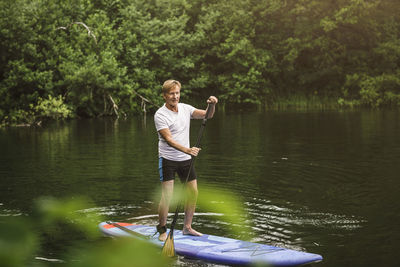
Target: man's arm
{"points": [[166, 134], [201, 113]]}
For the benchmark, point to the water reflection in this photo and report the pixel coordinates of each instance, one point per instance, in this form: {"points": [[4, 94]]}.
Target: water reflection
{"points": [[325, 182]]}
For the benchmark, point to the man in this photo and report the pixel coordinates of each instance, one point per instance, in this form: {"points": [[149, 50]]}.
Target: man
{"points": [[172, 122]]}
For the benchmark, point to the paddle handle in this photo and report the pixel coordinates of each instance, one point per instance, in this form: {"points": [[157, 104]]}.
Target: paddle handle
{"points": [[199, 136]]}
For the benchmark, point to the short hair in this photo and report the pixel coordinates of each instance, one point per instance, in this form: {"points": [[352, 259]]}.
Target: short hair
{"points": [[170, 84]]}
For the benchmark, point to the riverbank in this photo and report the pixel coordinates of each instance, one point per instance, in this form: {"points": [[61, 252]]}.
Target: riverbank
{"points": [[298, 102]]}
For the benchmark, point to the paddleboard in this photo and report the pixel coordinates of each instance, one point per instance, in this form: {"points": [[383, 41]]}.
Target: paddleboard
{"points": [[215, 249]]}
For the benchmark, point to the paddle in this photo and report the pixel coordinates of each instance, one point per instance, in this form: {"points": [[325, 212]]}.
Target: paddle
{"points": [[169, 248], [123, 228]]}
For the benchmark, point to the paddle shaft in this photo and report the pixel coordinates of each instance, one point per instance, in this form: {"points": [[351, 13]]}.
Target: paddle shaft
{"points": [[127, 230], [199, 136]]}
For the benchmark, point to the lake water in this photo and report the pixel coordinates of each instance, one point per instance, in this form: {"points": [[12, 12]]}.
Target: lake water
{"points": [[325, 182]]}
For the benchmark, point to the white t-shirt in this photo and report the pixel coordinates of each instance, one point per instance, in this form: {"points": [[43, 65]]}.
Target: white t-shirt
{"points": [[179, 125]]}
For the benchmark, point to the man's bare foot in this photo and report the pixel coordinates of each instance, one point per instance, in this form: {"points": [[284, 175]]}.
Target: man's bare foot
{"points": [[162, 230], [191, 231], [162, 237]]}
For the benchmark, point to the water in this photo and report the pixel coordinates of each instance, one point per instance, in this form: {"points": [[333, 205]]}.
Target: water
{"points": [[322, 182]]}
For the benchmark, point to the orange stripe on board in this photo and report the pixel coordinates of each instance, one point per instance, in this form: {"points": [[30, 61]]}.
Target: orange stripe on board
{"points": [[108, 226]]}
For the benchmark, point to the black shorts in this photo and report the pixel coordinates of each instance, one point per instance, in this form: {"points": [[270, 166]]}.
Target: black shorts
{"points": [[168, 168]]}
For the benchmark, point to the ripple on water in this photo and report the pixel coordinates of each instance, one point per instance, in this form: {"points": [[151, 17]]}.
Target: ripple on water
{"points": [[6, 212], [287, 225], [112, 210]]}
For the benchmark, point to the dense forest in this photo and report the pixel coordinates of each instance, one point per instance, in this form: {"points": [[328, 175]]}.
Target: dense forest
{"points": [[102, 57]]}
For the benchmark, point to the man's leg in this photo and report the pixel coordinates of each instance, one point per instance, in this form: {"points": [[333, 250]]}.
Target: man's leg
{"points": [[190, 206], [167, 189]]}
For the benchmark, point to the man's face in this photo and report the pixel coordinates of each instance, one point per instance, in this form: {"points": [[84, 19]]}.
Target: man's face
{"points": [[172, 97]]}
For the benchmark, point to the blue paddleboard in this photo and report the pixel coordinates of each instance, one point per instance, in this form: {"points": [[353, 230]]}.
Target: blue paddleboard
{"points": [[217, 249]]}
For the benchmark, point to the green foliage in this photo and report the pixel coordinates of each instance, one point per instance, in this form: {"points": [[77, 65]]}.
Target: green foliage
{"points": [[380, 90], [252, 52], [21, 239], [123, 252], [52, 108], [49, 212], [18, 117], [374, 91], [228, 204], [217, 201], [17, 242]]}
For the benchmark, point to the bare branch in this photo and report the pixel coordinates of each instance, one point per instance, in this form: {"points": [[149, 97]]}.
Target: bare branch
{"points": [[90, 33], [144, 101], [143, 106], [114, 106]]}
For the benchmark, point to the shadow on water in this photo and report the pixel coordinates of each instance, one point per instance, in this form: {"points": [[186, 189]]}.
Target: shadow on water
{"points": [[322, 182]]}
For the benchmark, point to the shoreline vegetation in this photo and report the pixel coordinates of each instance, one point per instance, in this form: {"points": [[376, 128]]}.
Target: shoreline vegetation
{"points": [[55, 110], [95, 58]]}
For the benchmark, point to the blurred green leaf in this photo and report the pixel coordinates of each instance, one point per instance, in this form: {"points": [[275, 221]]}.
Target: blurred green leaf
{"points": [[121, 252], [18, 242], [51, 212]]}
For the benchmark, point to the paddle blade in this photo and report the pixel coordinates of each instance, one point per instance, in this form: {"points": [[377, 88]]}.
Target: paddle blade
{"points": [[169, 248]]}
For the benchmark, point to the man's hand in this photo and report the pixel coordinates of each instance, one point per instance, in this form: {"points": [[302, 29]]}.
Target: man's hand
{"points": [[194, 151], [212, 100], [201, 113]]}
